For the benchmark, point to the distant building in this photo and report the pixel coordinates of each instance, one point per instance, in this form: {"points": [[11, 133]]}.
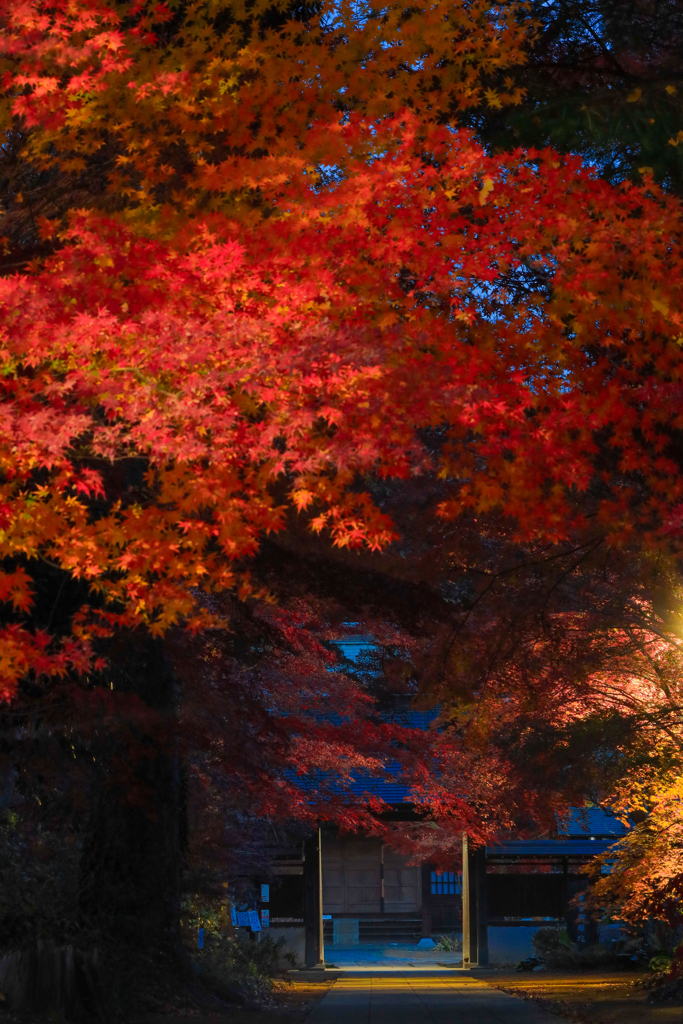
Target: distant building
{"points": [[371, 894]]}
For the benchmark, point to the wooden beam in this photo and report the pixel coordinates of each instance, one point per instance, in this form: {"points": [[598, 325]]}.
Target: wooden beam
{"points": [[467, 949], [475, 944], [313, 901], [478, 858]]}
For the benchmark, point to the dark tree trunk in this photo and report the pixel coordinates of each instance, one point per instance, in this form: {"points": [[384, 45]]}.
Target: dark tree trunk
{"points": [[53, 979], [131, 859]]}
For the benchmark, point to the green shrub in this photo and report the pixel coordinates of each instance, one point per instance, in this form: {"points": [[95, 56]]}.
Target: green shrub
{"points": [[238, 968], [555, 947], [660, 964]]}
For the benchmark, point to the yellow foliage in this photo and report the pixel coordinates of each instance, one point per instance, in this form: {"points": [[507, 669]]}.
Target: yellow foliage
{"points": [[165, 112], [486, 190]]}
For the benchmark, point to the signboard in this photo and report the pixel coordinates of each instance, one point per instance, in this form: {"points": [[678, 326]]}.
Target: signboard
{"points": [[233, 917], [265, 894], [254, 921], [243, 918], [265, 919], [200, 938]]}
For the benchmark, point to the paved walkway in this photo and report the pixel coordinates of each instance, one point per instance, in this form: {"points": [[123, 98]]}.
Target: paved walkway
{"points": [[412, 998]]}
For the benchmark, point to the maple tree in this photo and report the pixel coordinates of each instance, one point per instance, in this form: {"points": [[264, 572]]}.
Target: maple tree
{"points": [[177, 110], [569, 661], [150, 351], [324, 743], [285, 285], [249, 498], [602, 79], [267, 736]]}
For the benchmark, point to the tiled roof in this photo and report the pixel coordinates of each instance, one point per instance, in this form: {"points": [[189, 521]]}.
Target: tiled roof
{"points": [[592, 821], [588, 831], [551, 847]]}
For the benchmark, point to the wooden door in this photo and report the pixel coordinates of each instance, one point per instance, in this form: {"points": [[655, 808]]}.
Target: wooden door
{"points": [[363, 872], [333, 876], [352, 876], [401, 884]]}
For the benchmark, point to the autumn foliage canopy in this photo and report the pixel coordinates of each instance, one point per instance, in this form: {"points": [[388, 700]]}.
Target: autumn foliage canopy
{"points": [[262, 264], [277, 290]]}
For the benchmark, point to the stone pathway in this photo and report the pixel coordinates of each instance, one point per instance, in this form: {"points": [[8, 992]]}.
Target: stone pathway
{"points": [[413, 997]]}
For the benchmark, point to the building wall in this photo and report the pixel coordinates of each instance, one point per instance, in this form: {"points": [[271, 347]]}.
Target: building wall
{"points": [[509, 945], [352, 882], [361, 877], [402, 884], [441, 903], [295, 943], [395, 901]]}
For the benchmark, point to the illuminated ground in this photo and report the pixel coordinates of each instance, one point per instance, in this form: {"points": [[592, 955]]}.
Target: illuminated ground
{"points": [[410, 997], [591, 998]]}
